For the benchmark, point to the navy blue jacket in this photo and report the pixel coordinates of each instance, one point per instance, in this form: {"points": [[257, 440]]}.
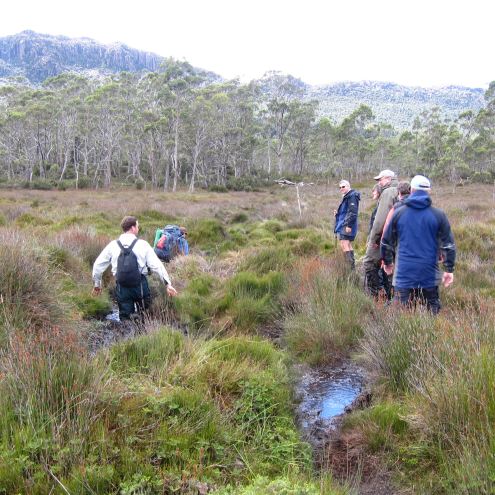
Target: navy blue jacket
{"points": [[347, 214], [418, 235]]}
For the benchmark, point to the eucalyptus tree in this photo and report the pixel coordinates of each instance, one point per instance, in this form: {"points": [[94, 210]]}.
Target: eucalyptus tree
{"points": [[355, 137], [133, 100], [280, 91], [483, 144], [107, 128], [69, 92], [178, 79], [302, 119], [323, 147]]}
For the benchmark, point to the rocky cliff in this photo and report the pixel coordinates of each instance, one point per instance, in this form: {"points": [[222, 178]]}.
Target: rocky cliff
{"points": [[38, 56]]}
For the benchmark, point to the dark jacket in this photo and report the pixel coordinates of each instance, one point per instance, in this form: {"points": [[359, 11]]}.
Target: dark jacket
{"points": [[347, 214], [417, 235]]}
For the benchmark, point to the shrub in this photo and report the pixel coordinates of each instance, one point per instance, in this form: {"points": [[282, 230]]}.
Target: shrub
{"points": [[82, 243], [280, 486], [252, 300], [239, 218], [196, 304], [28, 220], [41, 184], [217, 188], [83, 182]]}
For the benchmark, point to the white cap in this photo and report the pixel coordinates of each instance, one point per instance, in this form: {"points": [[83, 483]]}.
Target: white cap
{"points": [[345, 183], [420, 182], [384, 173]]}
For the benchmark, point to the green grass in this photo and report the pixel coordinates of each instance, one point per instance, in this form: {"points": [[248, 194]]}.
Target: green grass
{"points": [[326, 324]]}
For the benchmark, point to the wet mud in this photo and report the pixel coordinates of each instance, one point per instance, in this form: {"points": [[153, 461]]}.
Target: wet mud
{"points": [[323, 396]]}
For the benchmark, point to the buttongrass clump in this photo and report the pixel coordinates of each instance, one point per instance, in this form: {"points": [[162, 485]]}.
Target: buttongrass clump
{"points": [[28, 287], [328, 312]]}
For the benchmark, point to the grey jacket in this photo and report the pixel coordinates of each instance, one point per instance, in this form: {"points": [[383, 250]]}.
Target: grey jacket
{"points": [[387, 200]]}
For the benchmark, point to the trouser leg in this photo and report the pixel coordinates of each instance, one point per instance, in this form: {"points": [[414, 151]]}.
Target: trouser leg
{"points": [[143, 295], [405, 296], [371, 265], [125, 301], [350, 259], [386, 282], [432, 299], [130, 298]]}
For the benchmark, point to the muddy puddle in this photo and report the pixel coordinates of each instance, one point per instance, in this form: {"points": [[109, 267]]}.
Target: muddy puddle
{"points": [[323, 396], [110, 330]]}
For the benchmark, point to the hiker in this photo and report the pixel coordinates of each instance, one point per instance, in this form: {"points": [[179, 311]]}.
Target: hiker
{"points": [[346, 220], [403, 192], [384, 281], [387, 180], [130, 258], [417, 234], [375, 195], [170, 242]]}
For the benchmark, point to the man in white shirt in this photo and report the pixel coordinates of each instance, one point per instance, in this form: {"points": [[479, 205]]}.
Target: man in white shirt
{"points": [[139, 294]]}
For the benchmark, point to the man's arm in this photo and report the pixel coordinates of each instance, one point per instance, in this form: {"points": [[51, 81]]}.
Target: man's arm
{"points": [[100, 265], [389, 241], [446, 242]]}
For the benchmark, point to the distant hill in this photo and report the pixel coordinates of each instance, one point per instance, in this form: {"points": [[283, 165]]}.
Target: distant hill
{"points": [[38, 56], [393, 103]]}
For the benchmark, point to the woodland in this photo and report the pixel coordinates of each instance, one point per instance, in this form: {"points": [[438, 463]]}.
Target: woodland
{"points": [[183, 128]]}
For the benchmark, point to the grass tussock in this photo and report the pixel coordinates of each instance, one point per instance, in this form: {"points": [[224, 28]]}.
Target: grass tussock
{"points": [[444, 369], [27, 286], [328, 315]]}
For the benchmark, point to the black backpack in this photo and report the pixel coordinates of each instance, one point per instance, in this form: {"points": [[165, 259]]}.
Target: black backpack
{"points": [[128, 273]]}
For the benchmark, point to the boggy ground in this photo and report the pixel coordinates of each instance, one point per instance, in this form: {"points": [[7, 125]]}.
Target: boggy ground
{"points": [[257, 272]]}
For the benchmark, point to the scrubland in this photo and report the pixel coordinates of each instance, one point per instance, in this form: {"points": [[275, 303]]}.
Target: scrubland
{"points": [[201, 401]]}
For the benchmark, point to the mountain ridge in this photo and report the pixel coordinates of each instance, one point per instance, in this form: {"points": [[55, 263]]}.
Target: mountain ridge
{"points": [[36, 56]]}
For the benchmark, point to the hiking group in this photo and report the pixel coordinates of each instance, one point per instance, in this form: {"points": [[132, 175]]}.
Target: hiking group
{"points": [[132, 259], [407, 239]]}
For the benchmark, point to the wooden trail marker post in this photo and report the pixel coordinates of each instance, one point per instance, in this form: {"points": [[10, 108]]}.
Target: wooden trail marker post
{"points": [[297, 185]]}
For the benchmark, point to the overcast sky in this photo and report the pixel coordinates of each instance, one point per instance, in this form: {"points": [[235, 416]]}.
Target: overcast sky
{"points": [[420, 42]]}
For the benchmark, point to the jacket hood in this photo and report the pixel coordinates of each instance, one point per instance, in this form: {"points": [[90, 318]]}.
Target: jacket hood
{"points": [[418, 200]]}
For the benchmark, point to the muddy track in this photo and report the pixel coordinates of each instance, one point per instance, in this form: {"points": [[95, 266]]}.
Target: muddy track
{"points": [[323, 397]]}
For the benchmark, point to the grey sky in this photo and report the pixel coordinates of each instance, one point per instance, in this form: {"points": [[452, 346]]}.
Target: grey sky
{"points": [[424, 43]]}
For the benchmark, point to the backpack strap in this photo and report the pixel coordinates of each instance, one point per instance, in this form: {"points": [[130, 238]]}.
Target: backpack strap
{"points": [[122, 248]]}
